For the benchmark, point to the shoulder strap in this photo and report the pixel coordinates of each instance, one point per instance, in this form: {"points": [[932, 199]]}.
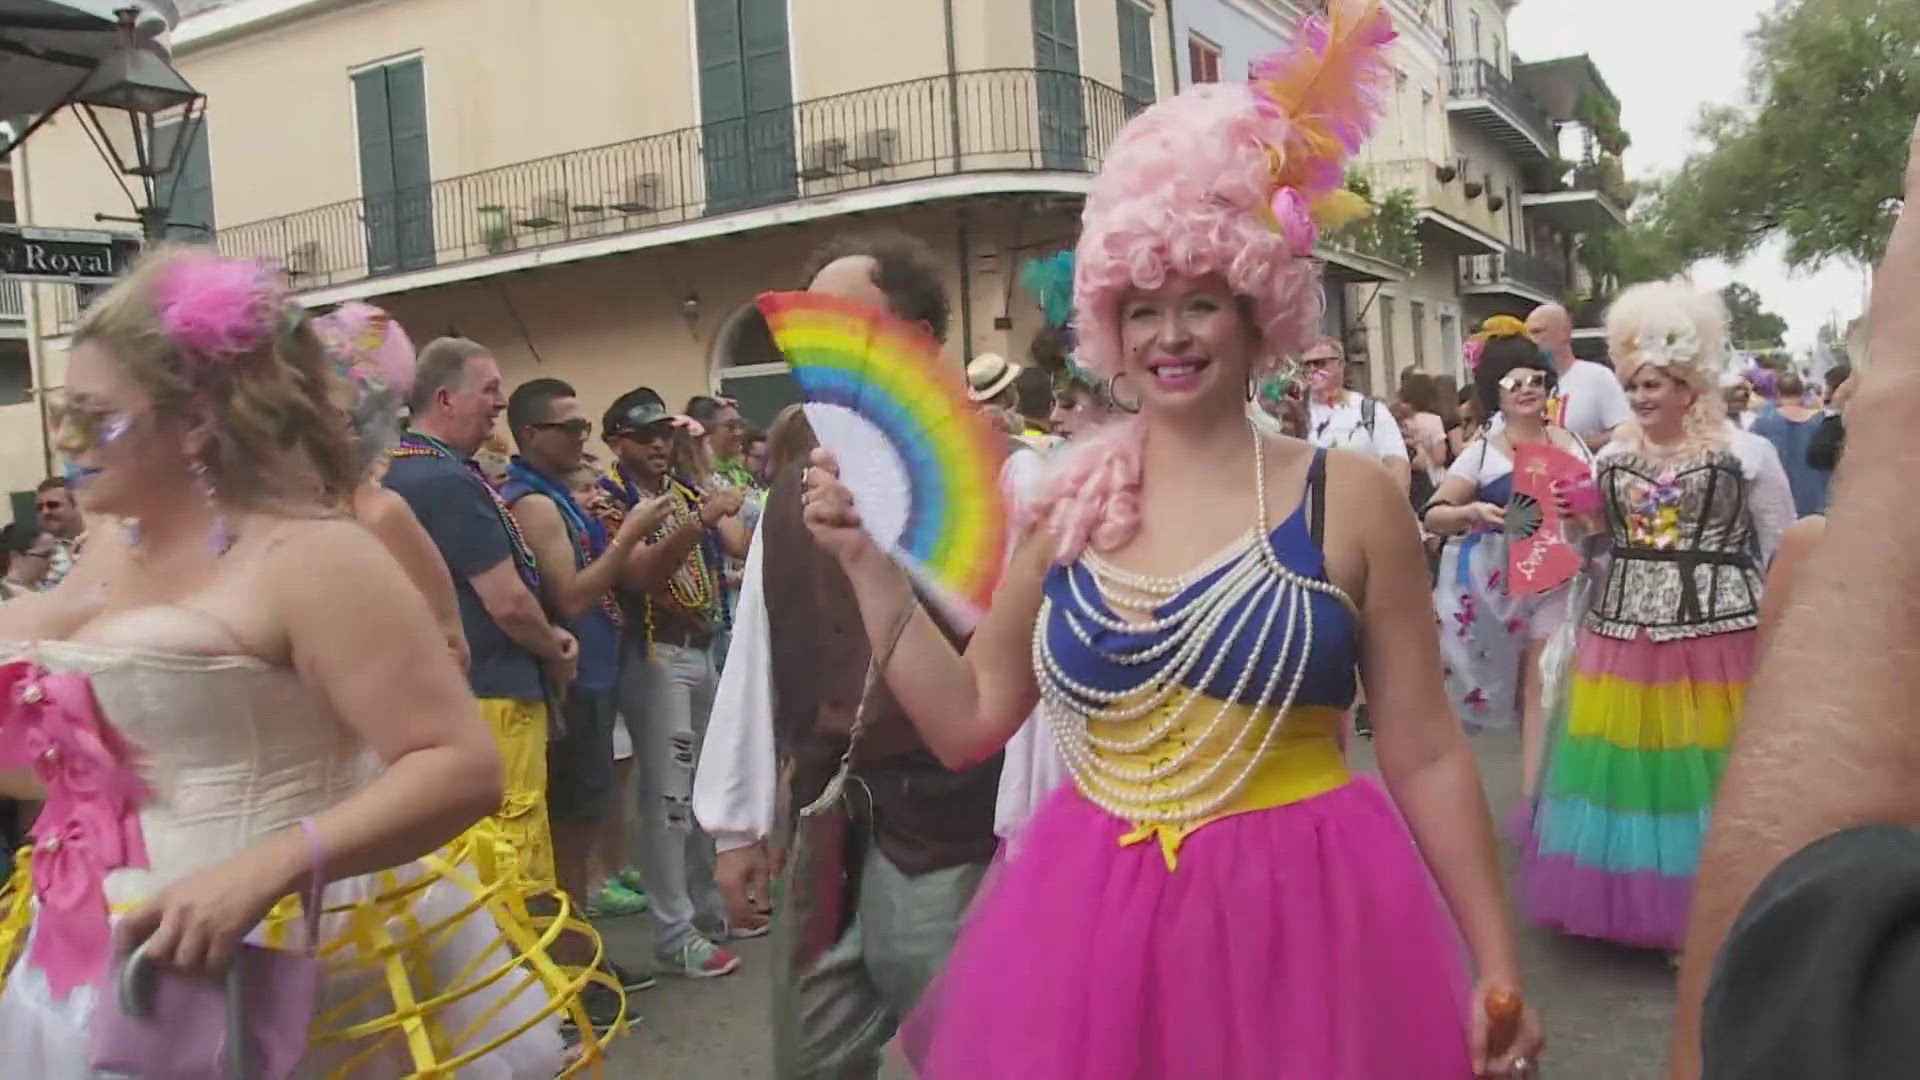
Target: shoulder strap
{"points": [[1317, 496]]}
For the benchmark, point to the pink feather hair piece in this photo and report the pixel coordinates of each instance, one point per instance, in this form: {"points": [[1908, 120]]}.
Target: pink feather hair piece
{"points": [[219, 310], [1331, 85]]}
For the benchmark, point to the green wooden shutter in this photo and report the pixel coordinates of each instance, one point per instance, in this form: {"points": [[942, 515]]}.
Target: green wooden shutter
{"points": [[723, 103], [1056, 53], [1136, 55], [396, 172], [190, 190], [379, 212], [769, 95], [412, 168], [746, 102]]}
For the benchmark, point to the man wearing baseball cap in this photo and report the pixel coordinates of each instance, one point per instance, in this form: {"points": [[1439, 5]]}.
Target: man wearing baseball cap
{"points": [[671, 603]]}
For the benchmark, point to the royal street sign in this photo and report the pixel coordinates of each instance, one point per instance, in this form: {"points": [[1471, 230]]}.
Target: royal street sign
{"points": [[73, 256]]}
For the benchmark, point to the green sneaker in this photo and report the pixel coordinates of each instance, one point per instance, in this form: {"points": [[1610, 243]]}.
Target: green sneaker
{"points": [[615, 901]]}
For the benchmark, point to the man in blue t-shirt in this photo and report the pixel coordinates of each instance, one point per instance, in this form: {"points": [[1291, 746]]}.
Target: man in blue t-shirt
{"points": [[1791, 426], [520, 661]]}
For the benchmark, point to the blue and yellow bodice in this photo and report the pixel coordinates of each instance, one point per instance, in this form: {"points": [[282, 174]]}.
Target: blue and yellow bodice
{"points": [[1226, 697]]}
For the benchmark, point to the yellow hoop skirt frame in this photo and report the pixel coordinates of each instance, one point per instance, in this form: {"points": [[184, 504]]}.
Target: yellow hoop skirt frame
{"points": [[379, 947]]}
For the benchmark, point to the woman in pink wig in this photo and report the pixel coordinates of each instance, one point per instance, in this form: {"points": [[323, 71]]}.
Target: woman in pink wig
{"points": [[1215, 895]]}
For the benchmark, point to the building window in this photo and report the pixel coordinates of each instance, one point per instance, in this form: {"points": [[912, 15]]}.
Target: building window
{"points": [[1450, 342], [188, 193], [1203, 59], [1419, 312], [1136, 55], [1473, 20], [396, 177]]}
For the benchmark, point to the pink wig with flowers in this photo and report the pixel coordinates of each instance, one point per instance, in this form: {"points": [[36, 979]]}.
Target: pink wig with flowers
{"points": [[373, 353], [1233, 180]]}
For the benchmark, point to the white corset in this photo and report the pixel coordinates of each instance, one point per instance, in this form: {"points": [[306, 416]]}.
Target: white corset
{"points": [[232, 749]]}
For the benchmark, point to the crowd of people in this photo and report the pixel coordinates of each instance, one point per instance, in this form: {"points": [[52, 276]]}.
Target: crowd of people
{"points": [[302, 660]]}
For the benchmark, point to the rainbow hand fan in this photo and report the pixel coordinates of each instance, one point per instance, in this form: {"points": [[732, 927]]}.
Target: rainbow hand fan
{"points": [[923, 464]]}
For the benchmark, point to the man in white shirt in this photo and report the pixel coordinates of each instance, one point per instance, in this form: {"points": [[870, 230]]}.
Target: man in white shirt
{"points": [[879, 881], [1589, 400], [1339, 417]]}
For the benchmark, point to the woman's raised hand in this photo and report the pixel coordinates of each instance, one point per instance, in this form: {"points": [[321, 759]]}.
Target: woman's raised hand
{"points": [[829, 511]]}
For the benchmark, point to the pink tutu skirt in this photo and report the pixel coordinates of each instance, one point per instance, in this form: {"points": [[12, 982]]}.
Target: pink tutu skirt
{"points": [[1304, 942]]}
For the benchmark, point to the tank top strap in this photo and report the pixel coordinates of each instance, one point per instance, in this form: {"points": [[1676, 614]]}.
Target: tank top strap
{"points": [[1317, 495]]}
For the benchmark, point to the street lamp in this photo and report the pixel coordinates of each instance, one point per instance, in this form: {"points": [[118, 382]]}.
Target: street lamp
{"points": [[143, 117]]}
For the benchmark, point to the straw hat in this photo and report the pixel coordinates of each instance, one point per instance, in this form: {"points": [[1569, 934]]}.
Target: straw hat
{"points": [[989, 375]]}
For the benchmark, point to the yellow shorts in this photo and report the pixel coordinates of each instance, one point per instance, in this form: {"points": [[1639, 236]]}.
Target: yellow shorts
{"points": [[520, 731]]}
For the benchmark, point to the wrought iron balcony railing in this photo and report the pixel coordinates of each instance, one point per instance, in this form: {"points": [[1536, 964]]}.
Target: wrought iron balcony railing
{"points": [[13, 300], [1540, 273], [979, 121], [1479, 79]]}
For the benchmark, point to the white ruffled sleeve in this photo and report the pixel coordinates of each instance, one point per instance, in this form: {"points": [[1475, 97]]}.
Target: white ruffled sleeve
{"points": [[1769, 496], [736, 782]]}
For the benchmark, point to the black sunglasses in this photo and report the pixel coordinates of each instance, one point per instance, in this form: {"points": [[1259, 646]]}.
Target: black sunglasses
{"points": [[577, 427]]}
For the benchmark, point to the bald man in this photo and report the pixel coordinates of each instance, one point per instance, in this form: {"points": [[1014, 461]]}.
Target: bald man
{"points": [[1590, 400]]}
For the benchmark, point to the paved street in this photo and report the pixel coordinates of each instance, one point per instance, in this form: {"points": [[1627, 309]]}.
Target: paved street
{"points": [[1607, 1009]]}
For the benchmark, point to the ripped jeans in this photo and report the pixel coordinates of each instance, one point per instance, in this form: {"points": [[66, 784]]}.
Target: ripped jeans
{"points": [[666, 701]]}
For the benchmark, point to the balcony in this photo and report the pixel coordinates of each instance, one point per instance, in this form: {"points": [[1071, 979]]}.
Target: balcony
{"points": [[1592, 203], [1006, 121], [1449, 219], [13, 300], [1515, 275], [1488, 101]]}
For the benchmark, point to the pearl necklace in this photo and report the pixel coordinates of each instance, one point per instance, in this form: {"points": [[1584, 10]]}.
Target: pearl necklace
{"points": [[1248, 577]]}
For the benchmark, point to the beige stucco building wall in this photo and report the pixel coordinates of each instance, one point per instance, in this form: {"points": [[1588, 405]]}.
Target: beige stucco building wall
{"points": [[511, 81]]}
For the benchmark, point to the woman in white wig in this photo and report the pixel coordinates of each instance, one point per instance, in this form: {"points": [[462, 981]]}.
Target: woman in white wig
{"points": [[1649, 705]]}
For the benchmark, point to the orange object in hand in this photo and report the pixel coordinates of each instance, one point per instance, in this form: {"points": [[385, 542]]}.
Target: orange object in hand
{"points": [[1503, 1008]]}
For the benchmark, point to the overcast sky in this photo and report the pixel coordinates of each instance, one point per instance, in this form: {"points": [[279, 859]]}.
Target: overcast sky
{"points": [[1665, 59]]}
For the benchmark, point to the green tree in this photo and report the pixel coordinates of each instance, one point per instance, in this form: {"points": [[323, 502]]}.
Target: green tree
{"points": [[1817, 155], [1752, 326]]}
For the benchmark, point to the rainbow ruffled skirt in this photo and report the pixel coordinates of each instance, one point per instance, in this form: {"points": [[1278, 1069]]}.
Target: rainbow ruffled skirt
{"points": [[1640, 740]]}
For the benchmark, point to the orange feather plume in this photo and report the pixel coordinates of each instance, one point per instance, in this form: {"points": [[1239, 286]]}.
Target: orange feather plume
{"points": [[1331, 87]]}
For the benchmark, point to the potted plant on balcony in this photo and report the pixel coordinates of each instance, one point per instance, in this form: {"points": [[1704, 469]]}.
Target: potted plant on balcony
{"points": [[496, 232], [1391, 232]]}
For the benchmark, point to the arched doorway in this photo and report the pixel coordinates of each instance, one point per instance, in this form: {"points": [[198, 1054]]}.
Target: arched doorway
{"points": [[749, 367]]}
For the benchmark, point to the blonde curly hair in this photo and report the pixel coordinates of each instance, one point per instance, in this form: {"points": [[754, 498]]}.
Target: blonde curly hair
{"points": [[1682, 330], [275, 410]]}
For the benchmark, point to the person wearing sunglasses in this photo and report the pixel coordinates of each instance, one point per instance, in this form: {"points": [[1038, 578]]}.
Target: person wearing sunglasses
{"points": [[29, 556], [1492, 641], [581, 563], [64, 522]]}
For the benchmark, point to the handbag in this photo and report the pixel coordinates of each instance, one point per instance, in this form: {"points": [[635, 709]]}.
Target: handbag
{"points": [[251, 1023]]}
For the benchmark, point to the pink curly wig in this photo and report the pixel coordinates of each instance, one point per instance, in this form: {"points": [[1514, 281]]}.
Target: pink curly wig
{"points": [[1220, 179], [1183, 192]]}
